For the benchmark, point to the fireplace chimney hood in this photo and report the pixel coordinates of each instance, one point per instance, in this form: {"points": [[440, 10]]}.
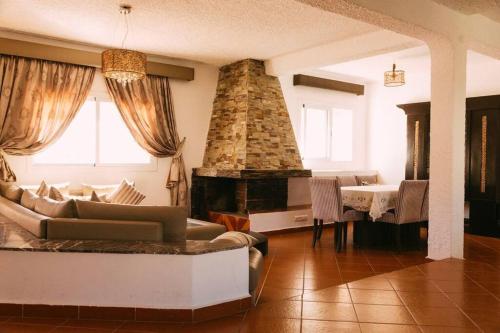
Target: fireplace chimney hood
{"points": [[251, 149]]}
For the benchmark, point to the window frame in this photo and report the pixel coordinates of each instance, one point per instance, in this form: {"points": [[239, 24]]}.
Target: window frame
{"points": [[151, 166], [329, 118]]}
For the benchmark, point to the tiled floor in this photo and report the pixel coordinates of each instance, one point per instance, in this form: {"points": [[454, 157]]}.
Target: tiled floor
{"points": [[306, 290]]}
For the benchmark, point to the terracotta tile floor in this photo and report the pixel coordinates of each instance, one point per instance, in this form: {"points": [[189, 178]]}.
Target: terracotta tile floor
{"points": [[360, 290]]}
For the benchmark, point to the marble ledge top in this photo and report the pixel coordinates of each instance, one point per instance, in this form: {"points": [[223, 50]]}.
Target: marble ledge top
{"points": [[15, 238]]}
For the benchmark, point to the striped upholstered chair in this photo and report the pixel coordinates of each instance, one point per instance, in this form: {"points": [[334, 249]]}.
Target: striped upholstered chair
{"points": [[368, 179], [411, 198], [347, 181], [327, 206]]}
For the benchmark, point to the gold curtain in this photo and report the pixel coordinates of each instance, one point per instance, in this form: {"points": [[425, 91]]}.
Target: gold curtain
{"points": [[146, 107], [38, 100]]}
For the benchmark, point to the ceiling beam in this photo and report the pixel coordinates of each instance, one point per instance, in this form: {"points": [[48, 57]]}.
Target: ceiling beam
{"points": [[82, 57], [363, 46], [318, 82]]}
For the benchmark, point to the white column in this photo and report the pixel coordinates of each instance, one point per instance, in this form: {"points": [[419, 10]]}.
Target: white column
{"points": [[447, 150]]}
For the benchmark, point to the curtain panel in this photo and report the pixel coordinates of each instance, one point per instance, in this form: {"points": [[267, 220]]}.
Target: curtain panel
{"points": [[146, 107], [38, 100]]}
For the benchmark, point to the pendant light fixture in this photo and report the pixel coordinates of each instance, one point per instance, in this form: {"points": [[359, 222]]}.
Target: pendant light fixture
{"points": [[121, 64], [394, 78]]}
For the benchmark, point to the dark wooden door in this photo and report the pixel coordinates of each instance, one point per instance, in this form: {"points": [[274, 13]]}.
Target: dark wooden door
{"points": [[483, 126]]}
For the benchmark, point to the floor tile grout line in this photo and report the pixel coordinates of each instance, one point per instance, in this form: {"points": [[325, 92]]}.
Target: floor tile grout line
{"points": [[455, 304], [406, 306], [482, 286], [303, 284], [265, 279]]}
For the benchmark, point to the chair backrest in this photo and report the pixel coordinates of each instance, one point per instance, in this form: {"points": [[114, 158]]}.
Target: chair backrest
{"points": [[410, 201], [347, 181], [371, 179], [424, 215], [326, 198]]}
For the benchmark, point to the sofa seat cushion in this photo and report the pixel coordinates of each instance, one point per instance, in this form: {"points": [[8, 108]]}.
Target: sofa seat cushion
{"points": [[11, 192], [256, 263], [29, 220], [173, 219], [81, 229], [202, 230], [53, 208]]}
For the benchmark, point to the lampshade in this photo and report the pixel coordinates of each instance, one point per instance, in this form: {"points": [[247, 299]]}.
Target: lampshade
{"points": [[123, 65], [394, 78]]}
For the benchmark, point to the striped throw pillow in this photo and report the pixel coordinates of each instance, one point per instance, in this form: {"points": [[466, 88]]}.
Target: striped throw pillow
{"points": [[125, 194], [55, 194]]}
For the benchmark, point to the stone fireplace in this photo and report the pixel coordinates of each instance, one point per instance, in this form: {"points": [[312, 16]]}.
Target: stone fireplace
{"points": [[251, 149]]}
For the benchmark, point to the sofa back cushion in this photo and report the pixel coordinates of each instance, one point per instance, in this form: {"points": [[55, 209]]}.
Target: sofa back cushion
{"points": [[28, 219], [28, 200], [53, 208], [11, 192], [174, 219]]}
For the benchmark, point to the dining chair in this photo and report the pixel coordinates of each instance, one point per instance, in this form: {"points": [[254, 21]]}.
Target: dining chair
{"points": [[409, 207], [347, 181], [364, 180], [326, 199]]}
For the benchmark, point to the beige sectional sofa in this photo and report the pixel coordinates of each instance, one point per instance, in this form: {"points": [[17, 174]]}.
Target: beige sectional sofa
{"points": [[105, 221]]}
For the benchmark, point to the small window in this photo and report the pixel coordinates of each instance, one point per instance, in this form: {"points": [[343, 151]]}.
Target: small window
{"points": [[327, 133], [96, 136]]}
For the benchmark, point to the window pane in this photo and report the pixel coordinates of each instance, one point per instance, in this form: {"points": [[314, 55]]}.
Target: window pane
{"points": [[77, 144], [116, 144], [341, 135], [316, 133]]}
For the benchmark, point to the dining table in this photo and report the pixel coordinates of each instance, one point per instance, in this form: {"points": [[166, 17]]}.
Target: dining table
{"points": [[375, 200]]}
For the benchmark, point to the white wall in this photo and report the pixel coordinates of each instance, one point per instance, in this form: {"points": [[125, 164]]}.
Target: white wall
{"points": [[193, 107]]}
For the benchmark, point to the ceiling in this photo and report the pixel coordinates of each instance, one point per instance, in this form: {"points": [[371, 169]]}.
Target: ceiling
{"points": [[416, 62], [488, 8], [211, 31]]}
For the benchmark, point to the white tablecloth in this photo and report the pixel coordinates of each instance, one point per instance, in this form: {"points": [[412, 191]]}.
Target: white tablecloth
{"points": [[374, 199]]}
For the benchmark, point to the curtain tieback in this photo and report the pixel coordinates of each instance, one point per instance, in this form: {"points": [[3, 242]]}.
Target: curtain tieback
{"points": [[178, 152], [173, 175]]}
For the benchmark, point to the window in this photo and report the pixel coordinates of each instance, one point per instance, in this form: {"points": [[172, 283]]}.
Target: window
{"points": [[327, 133], [97, 136]]}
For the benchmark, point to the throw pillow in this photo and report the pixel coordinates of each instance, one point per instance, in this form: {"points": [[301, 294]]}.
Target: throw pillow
{"points": [[126, 194], [53, 208], [55, 194], [43, 190], [237, 237], [28, 200], [101, 189], [11, 192], [97, 198]]}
